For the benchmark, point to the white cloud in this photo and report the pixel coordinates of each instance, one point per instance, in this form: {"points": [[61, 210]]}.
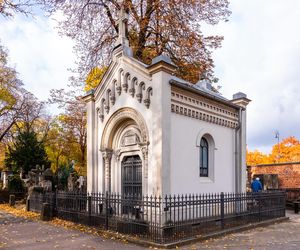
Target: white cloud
{"points": [[38, 53], [260, 56]]}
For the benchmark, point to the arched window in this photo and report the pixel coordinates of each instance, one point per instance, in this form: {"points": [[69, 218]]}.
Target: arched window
{"points": [[203, 157]]}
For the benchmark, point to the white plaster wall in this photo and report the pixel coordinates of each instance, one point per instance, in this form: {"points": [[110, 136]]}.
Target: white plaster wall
{"points": [[184, 169], [122, 101]]}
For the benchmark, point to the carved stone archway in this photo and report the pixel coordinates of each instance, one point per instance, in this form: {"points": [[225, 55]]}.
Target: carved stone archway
{"points": [[114, 122], [112, 140]]}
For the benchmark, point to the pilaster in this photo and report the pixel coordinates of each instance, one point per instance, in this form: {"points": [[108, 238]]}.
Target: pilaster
{"points": [[241, 100], [91, 154], [161, 70]]}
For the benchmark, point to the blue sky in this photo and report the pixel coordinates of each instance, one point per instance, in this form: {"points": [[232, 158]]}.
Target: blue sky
{"points": [[260, 56]]}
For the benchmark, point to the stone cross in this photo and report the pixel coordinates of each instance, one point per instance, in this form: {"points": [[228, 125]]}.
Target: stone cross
{"points": [[122, 26]]}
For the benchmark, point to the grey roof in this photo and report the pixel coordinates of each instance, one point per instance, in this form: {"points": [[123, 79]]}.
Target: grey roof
{"points": [[163, 58], [196, 88]]}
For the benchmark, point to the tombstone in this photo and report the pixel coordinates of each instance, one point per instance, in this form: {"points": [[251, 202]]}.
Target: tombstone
{"points": [[71, 182], [48, 174], [12, 200], [5, 176], [47, 179], [46, 185], [80, 183]]}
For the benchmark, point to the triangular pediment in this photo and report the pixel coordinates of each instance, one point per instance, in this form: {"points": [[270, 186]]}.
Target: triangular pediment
{"points": [[125, 76]]}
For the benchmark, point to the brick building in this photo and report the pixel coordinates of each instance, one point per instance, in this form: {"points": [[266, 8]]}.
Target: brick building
{"points": [[288, 173]]}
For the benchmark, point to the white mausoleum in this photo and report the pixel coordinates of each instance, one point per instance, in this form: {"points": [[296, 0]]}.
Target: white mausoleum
{"points": [[150, 132]]}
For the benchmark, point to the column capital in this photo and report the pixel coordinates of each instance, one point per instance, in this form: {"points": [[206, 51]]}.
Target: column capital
{"points": [[107, 154]]}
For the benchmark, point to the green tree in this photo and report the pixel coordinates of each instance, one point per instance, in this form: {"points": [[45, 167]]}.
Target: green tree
{"points": [[26, 152]]}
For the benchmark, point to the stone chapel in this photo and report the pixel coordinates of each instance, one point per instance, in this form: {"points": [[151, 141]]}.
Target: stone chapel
{"points": [[149, 132]]}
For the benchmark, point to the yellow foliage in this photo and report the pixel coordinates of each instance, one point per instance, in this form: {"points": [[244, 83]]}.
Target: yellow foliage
{"points": [[254, 158], [2, 155], [94, 77], [288, 150]]}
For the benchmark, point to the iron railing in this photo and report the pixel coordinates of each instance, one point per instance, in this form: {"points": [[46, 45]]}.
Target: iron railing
{"points": [[164, 220]]}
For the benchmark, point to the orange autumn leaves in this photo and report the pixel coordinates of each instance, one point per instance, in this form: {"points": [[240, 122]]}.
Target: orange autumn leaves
{"points": [[288, 150]]}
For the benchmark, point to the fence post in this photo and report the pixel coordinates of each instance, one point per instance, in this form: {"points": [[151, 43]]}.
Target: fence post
{"points": [[259, 206], [27, 204], [222, 211], [106, 210], [90, 208], [12, 200], [284, 202], [53, 203]]}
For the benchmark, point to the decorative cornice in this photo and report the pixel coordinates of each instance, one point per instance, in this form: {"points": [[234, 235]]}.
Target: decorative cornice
{"points": [[200, 94], [203, 109]]}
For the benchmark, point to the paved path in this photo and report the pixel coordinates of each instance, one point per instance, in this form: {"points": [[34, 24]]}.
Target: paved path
{"points": [[281, 236], [18, 233]]}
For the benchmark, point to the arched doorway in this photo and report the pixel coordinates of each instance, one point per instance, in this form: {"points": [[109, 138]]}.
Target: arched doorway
{"points": [[124, 147]]}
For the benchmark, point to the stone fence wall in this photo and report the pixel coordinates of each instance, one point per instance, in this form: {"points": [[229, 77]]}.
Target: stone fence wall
{"points": [[288, 173]]}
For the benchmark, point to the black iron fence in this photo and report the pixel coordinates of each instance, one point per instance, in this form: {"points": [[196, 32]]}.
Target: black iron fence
{"points": [[164, 220], [4, 195]]}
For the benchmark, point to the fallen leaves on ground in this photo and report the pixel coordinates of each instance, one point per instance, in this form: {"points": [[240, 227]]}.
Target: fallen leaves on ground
{"points": [[20, 211]]}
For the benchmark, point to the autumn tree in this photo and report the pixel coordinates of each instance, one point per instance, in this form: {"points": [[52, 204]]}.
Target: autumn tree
{"points": [[9, 94], [256, 157], [18, 107], [288, 150], [154, 27], [56, 145], [73, 124], [94, 77]]}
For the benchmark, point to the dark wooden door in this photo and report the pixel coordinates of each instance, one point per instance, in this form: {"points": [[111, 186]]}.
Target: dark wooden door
{"points": [[132, 176]]}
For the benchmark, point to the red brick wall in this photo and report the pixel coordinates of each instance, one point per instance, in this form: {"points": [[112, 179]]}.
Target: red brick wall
{"points": [[288, 174]]}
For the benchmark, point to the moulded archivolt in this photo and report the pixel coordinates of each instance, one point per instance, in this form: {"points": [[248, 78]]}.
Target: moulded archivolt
{"points": [[119, 116]]}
